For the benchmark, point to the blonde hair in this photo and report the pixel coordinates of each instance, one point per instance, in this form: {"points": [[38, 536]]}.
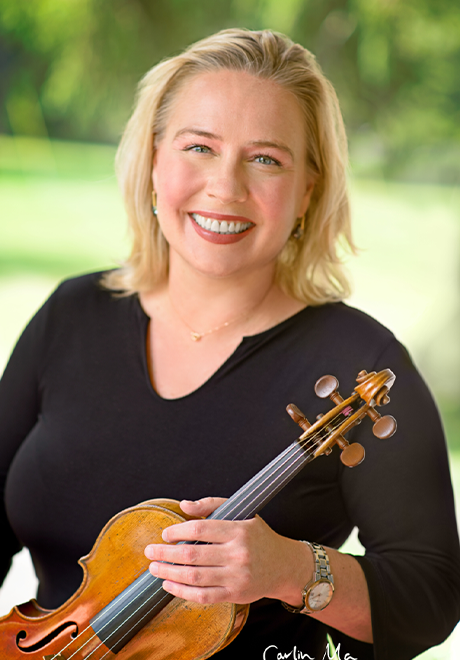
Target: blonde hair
{"points": [[308, 269]]}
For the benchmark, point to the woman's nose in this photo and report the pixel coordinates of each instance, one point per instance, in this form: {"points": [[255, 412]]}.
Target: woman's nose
{"points": [[227, 182]]}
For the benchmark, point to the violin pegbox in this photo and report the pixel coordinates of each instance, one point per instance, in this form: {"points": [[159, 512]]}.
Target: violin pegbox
{"points": [[329, 429]]}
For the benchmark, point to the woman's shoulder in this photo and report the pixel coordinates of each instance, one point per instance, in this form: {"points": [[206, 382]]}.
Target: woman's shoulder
{"points": [[346, 316], [341, 338], [342, 324], [75, 303], [86, 286], [81, 295]]}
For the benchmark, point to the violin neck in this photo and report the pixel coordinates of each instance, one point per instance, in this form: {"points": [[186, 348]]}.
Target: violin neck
{"points": [[257, 492]]}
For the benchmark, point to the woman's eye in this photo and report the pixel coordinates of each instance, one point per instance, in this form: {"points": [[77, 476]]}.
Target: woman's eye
{"points": [[198, 149], [266, 160]]}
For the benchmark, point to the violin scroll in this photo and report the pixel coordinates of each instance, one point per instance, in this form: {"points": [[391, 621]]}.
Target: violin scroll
{"points": [[329, 429]]}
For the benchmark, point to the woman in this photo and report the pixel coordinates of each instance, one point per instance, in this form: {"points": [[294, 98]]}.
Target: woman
{"points": [[169, 377]]}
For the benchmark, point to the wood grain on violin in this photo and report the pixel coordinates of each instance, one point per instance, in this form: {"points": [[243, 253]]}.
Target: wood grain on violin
{"points": [[121, 610]]}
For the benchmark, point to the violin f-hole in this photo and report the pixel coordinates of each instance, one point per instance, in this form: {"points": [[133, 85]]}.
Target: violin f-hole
{"points": [[22, 634]]}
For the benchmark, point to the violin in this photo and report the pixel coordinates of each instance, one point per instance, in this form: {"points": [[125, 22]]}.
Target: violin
{"points": [[121, 609]]}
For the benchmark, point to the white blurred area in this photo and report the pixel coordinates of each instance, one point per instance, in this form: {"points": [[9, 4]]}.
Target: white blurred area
{"points": [[20, 584]]}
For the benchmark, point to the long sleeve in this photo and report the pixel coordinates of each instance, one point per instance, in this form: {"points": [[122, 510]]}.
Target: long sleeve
{"points": [[19, 411], [403, 506]]}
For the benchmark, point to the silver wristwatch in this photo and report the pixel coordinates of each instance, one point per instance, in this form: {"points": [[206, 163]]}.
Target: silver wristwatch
{"points": [[317, 594]]}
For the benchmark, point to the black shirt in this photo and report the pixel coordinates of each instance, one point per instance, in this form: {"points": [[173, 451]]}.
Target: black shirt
{"points": [[83, 435]]}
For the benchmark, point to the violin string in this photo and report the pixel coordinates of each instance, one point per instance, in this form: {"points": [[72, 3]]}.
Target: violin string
{"points": [[121, 624], [301, 443], [297, 458], [228, 507], [146, 578], [146, 575]]}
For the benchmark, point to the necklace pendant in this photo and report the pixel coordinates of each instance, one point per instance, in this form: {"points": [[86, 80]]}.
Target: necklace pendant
{"points": [[195, 336]]}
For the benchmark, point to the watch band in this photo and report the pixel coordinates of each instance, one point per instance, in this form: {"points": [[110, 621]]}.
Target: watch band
{"points": [[322, 566], [321, 573]]}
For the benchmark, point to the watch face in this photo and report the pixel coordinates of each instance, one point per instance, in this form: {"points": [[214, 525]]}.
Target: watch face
{"points": [[319, 595]]}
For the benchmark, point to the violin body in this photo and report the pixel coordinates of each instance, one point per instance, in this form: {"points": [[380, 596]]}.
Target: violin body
{"points": [[182, 629]]}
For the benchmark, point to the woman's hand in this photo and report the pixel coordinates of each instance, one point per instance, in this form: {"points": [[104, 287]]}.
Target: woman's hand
{"points": [[235, 561], [243, 561]]}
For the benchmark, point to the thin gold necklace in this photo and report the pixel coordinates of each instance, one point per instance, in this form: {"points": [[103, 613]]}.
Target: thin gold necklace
{"points": [[196, 336]]}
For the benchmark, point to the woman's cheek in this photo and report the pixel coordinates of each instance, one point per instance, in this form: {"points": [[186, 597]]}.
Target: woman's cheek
{"points": [[179, 184]]}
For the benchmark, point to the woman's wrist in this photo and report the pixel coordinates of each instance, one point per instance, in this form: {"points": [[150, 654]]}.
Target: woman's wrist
{"points": [[298, 569], [318, 592]]}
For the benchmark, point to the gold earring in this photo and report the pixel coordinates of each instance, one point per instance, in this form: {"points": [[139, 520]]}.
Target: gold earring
{"points": [[299, 230], [154, 203]]}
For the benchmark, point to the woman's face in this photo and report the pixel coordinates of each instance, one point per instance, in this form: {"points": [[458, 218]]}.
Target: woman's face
{"points": [[230, 173]]}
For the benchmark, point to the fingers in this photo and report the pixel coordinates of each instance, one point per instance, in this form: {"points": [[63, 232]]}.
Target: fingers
{"points": [[202, 595], [207, 533], [200, 578], [203, 507], [219, 560], [185, 554], [204, 531], [205, 540], [195, 576]]}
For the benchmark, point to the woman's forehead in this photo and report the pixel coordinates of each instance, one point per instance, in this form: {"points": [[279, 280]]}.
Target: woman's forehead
{"points": [[233, 104]]}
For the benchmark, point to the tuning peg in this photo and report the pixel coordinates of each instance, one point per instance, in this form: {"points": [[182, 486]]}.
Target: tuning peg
{"points": [[384, 427], [325, 386], [297, 415], [353, 455]]}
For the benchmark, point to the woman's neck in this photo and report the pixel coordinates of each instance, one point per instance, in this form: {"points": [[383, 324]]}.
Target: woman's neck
{"points": [[213, 300], [198, 322]]}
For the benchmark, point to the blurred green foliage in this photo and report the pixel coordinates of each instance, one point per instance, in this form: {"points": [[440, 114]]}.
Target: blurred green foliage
{"points": [[69, 68]]}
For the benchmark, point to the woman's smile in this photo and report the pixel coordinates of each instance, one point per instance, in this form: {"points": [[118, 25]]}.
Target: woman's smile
{"points": [[223, 225], [222, 231]]}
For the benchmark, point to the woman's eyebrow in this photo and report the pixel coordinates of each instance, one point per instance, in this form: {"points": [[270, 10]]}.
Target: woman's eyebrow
{"points": [[197, 131], [274, 145], [256, 143]]}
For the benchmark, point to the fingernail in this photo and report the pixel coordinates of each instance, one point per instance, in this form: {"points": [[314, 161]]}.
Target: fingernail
{"points": [[192, 502], [148, 552], [164, 534]]}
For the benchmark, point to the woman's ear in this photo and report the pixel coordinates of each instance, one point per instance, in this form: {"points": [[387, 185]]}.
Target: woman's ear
{"points": [[307, 197], [154, 159]]}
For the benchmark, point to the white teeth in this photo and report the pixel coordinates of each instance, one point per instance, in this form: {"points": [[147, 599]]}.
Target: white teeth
{"points": [[223, 227]]}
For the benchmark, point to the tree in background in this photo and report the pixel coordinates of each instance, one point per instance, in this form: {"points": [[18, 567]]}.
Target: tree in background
{"points": [[69, 68]]}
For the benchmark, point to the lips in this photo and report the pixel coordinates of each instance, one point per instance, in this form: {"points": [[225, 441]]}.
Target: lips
{"points": [[227, 226], [223, 229]]}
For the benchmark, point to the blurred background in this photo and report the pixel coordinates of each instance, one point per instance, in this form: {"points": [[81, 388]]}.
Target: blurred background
{"points": [[68, 74]]}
